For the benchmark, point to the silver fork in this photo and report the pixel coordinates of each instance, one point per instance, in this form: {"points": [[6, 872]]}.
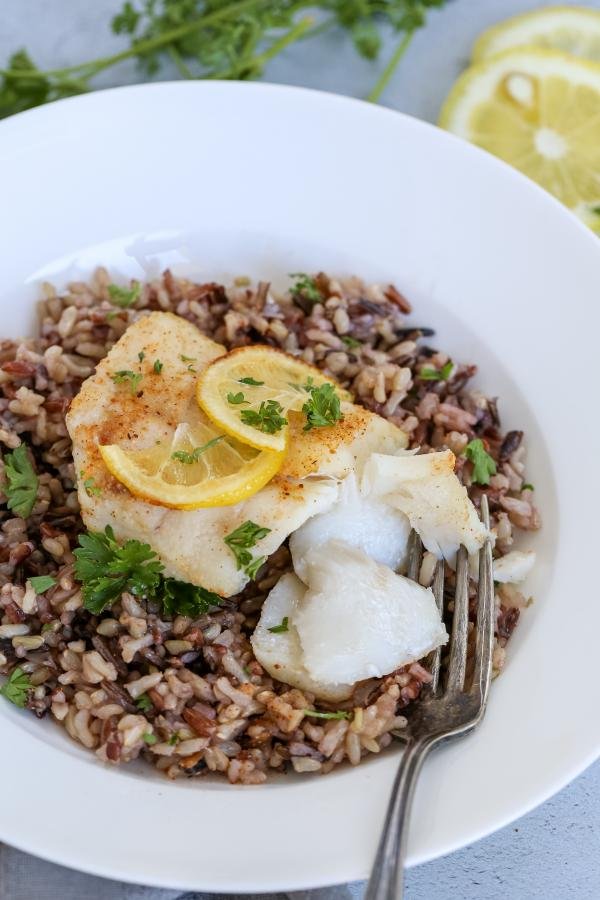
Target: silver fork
{"points": [[449, 708]]}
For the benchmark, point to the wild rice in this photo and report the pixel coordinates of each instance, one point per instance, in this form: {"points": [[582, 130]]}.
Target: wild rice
{"points": [[187, 695]]}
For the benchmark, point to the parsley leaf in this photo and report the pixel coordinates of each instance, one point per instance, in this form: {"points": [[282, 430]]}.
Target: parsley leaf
{"points": [[124, 297], [22, 482], [144, 703], [106, 569], [305, 289], [350, 342], [41, 583], [483, 464], [141, 356], [268, 418], [340, 714], [149, 738], [280, 629], [91, 489], [236, 399], [430, 374], [239, 542], [187, 359], [323, 408], [527, 487], [188, 458], [17, 687], [250, 381], [126, 375], [173, 740], [182, 599], [157, 367]]}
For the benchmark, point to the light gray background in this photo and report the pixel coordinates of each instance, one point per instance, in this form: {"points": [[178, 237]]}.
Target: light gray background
{"points": [[554, 852]]}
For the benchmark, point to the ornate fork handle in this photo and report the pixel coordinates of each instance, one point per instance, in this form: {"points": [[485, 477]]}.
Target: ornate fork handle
{"points": [[387, 878]]}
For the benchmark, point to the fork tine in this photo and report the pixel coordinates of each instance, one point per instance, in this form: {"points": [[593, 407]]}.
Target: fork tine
{"points": [[438, 593], [484, 643], [414, 556], [460, 621]]}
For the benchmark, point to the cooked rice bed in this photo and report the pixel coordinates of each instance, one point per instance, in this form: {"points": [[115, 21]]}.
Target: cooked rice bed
{"points": [[213, 708]]}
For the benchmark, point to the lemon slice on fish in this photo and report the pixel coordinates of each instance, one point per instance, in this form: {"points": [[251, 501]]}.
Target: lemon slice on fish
{"points": [[538, 110], [250, 392], [572, 29], [199, 467]]}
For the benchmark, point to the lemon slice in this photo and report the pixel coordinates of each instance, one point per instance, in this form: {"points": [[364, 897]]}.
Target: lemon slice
{"points": [[250, 392], [573, 29], [200, 467], [538, 110]]}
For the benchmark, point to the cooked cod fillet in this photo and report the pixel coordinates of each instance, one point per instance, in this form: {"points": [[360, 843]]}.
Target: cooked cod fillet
{"points": [[190, 542]]}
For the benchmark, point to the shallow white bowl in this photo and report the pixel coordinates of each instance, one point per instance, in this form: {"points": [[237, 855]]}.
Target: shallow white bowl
{"points": [[223, 179]]}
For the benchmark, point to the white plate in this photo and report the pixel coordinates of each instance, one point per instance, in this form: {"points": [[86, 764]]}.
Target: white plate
{"points": [[222, 179]]}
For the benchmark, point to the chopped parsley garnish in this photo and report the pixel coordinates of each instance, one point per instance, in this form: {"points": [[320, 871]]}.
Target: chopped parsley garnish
{"points": [[267, 418], [182, 599], [173, 740], [250, 381], [236, 399], [323, 408], [527, 487], [305, 287], [187, 359], [157, 367], [141, 356], [41, 583], [106, 568], [280, 629], [149, 739], [22, 482], [144, 703], [340, 714], [124, 297], [17, 687], [429, 374], [126, 375], [241, 540], [188, 458], [350, 342], [483, 464], [91, 489]]}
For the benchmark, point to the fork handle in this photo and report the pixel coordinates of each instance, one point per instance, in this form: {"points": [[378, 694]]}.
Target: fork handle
{"points": [[387, 877]]}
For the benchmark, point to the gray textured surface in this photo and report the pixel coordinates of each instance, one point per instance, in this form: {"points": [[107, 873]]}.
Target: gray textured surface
{"points": [[554, 852]]}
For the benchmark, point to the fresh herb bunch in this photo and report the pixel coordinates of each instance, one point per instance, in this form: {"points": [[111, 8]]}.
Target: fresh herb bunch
{"points": [[216, 39], [107, 568]]}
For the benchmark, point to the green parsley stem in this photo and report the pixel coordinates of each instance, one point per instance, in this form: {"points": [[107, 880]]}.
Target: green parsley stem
{"points": [[89, 69], [183, 69], [386, 76], [245, 65]]}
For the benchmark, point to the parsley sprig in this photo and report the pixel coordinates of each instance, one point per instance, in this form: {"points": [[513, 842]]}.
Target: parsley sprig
{"points": [[124, 297], [267, 418], [428, 373], [305, 290], [203, 38], [126, 376], [483, 464], [241, 540], [236, 399], [107, 568], [17, 687], [188, 458], [323, 408], [21, 482], [282, 628]]}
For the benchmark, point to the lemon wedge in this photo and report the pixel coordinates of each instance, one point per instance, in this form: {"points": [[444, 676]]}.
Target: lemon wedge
{"points": [[573, 29], [538, 110], [250, 392], [199, 467]]}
